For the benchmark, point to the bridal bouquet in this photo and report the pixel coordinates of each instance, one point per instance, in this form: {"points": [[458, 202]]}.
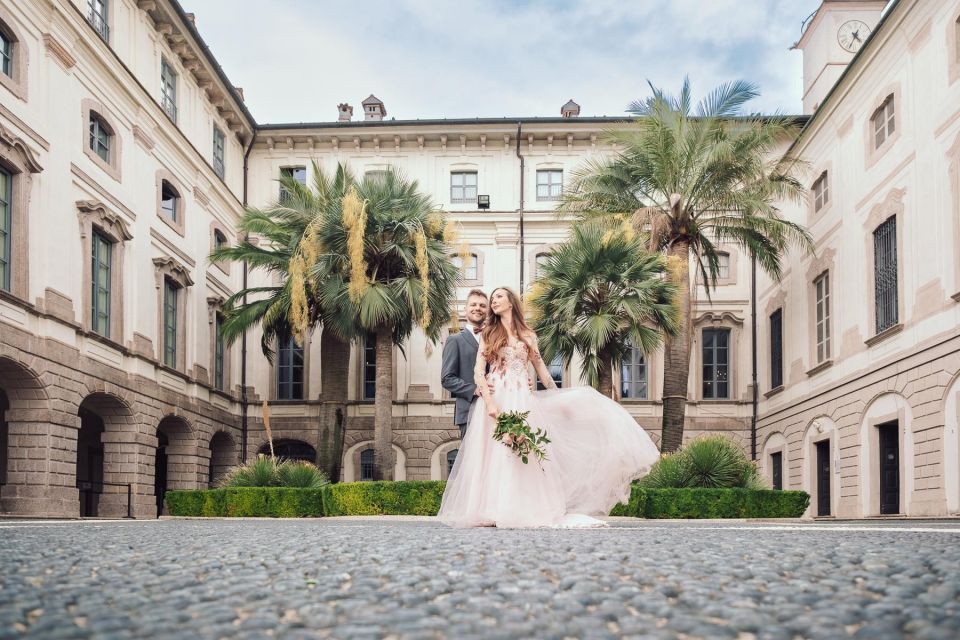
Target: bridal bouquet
{"points": [[514, 431]]}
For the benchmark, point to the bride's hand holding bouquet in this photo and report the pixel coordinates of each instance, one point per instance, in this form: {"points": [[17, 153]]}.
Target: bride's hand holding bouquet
{"points": [[513, 430]]}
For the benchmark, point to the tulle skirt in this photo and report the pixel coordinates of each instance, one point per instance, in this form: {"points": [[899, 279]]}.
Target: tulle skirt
{"points": [[596, 450]]}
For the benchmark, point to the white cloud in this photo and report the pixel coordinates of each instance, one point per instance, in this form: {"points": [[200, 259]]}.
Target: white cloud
{"points": [[435, 59]]}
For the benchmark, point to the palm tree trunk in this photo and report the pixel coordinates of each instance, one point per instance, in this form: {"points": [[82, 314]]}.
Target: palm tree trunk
{"points": [[676, 365], [383, 404], [605, 383]]}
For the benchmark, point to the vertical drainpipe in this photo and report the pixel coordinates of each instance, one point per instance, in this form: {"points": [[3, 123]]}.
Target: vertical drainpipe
{"points": [[519, 130], [753, 349], [243, 338]]}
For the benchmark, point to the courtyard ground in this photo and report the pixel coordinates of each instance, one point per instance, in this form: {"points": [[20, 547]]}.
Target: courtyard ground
{"points": [[414, 578]]}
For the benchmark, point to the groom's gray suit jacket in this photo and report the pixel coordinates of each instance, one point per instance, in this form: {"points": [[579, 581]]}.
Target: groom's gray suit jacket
{"points": [[456, 372]]}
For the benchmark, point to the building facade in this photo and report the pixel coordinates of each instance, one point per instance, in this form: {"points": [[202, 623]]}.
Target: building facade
{"points": [[113, 375]]}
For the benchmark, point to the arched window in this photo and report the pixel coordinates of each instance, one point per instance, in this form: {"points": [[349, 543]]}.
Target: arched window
{"points": [[633, 375], [13, 59], [6, 54], [366, 465], [169, 201], [219, 240], [468, 269], [451, 458], [884, 122], [541, 260]]}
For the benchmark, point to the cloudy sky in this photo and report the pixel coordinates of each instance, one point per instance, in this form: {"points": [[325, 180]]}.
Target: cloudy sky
{"points": [[297, 59]]}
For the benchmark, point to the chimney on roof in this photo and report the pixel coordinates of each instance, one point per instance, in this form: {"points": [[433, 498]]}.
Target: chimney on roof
{"points": [[570, 110], [373, 108], [345, 112], [192, 18], [239, 91]]}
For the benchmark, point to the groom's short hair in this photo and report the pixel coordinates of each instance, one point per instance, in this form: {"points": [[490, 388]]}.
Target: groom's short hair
{"points": [[476, 292]]}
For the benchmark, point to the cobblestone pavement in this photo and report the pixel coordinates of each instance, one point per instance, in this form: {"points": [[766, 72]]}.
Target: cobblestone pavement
{"points": [[402, 579]]}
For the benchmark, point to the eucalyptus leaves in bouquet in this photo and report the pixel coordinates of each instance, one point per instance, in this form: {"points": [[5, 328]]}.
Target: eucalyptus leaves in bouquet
{"points": [[514, 431]]}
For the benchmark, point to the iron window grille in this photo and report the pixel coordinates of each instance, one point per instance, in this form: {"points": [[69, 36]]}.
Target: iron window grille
{"points": [[366, 465], [168, 90], [885, 273], [218, 153], [97, 17]]}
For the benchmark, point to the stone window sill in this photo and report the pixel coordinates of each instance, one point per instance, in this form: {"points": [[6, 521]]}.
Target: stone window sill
{"points": [[107, 167], [176, 226], [773, 392], [883, 335], [826, 364]]}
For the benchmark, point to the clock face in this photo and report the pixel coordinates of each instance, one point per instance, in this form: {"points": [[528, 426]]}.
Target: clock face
{"points": [[852, 34]]}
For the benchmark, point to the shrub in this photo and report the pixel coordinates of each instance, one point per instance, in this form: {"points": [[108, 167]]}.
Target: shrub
{"points": [[268, 472], [239, 502], [384, 498], [713, 503], [710, 462]]}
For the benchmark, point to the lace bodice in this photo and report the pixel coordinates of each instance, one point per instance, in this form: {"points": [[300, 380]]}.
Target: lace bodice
{"points": [[510, 366]]}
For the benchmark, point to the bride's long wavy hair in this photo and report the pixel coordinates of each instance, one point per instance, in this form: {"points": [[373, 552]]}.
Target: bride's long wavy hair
{"points": [[495, 333]]}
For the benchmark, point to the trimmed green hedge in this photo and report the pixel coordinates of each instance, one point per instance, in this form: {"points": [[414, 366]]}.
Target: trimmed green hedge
{"points": [[713, 503], [423, 499], [404, 498], [249, 502]]}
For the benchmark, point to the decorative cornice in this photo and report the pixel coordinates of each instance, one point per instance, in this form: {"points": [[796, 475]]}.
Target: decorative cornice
{"points": [[201, 197], [719, 317], [97, 213], [821, 263], [20, 146], [777, 301], [891, 205], [170, 267], [59, 52], [143, 138]]}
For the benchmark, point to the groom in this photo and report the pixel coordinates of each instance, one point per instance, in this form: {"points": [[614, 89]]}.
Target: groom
{"points": [[460, 357]]}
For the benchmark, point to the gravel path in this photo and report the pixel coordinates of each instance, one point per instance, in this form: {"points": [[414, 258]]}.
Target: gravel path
{"points": [[379, 578]]}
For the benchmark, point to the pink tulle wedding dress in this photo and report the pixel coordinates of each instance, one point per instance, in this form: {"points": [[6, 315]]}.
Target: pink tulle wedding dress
{"points": [[596, 450]]}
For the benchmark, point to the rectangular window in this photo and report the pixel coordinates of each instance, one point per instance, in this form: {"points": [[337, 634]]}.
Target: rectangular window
{"points": [[556, 372], [549, 184], [297, 173], [218, 153], [885, 273], [469, 270], [884, 122], [370, 367], [366, 465], [101, 257], [633, 375], [6, 222], [723, 266], [99, 139], [97, 17], [218, 354], [168, 90], [716, 363], [822, 288], [821, 192], [6, 55], [170, 301], [776, 349], [540, 261], [289, 369], [463, 187], [375, 174]]}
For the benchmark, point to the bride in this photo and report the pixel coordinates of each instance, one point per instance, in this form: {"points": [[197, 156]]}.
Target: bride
{"points": [[596, 447]]}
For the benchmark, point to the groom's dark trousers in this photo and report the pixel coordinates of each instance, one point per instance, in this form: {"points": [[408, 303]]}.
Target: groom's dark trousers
{"points": [[456, 373]]}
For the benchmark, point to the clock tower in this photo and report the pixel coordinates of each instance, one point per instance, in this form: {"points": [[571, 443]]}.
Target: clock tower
{"points": [[830, 39]]}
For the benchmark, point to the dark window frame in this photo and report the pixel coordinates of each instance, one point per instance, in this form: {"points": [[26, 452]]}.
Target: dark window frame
{"points": [[169, 194], [821, 192], [99, 18], [290, 369], [219, 152], [369, 368], [6, 54], [6, 228], [884, 121], [367, 465], [219, 352], [716, 385], [776, 349], [101, 258], [823, 338], [168, 89], [171, 307], [885, 275]]}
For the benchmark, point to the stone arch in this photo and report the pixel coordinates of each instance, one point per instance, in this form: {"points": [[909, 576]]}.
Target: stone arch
{"points": [[351, 461], [109, 456], [36, 446], [820, 429], [775, 442], [176, 459], [290, 449], [951, 444], [885, 408], [438, 459], [223, 456]]}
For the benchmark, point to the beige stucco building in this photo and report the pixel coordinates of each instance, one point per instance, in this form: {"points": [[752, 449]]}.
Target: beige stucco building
{"points": [[127, 155]]}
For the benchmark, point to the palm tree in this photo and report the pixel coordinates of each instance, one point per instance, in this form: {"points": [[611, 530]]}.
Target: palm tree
{"points": [[375, 266], [368, 258], [690, 177], [599, 294]]}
